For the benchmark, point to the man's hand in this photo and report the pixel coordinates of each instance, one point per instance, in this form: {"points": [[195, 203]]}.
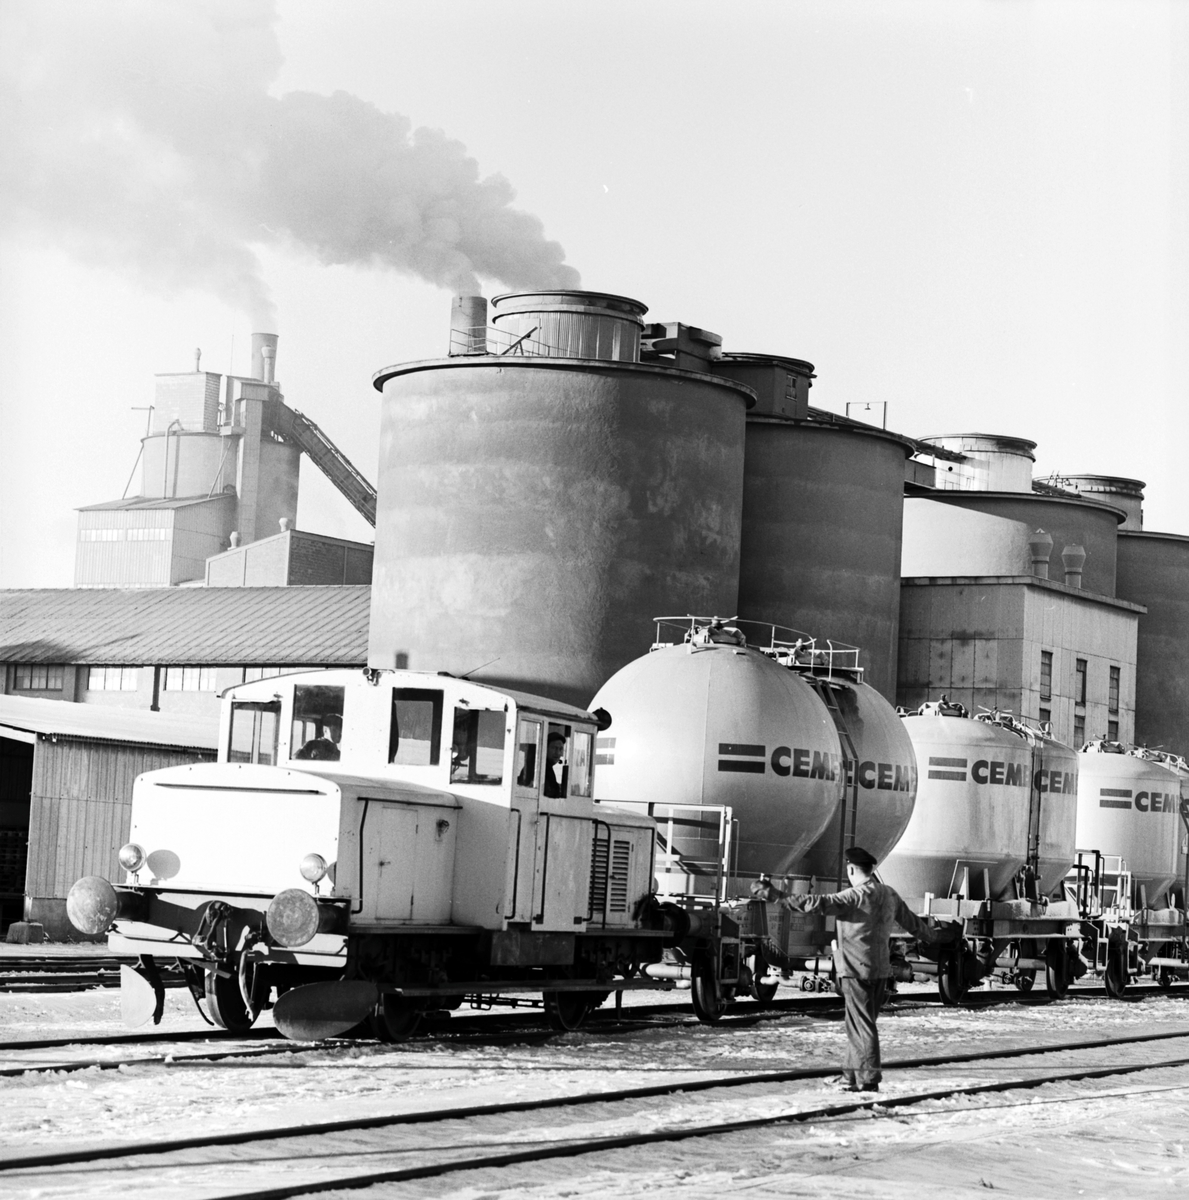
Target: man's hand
{"points": [[944, 932], [764, 889]]}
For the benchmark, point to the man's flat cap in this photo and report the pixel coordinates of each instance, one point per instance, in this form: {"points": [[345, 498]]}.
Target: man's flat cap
{"points": [[861, 858]]}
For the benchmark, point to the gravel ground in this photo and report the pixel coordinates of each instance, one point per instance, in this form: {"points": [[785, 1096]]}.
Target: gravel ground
{"points": [[1122, 1135]]}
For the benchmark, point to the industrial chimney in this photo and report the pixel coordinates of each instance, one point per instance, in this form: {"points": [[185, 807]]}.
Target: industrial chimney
{"points": [[259, 343]]}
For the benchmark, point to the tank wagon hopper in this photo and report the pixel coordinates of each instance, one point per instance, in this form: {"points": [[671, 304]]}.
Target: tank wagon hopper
{"points": [[760, 752], [1129, 880], [376, 845], [989, 844]]}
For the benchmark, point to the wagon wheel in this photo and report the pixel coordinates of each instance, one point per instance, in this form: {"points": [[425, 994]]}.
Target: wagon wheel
{"points": [[393, 1020], [1165, 978], [1116, 977], [225, 999], [705, 993], [1057, 970], [951, 978], [566, 1011]]}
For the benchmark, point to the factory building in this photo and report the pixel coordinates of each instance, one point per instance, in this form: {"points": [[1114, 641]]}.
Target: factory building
{"points": [[567, 472], [1009, 596], [66, 774], [220, 466], [1152, 569], [172, 650]]}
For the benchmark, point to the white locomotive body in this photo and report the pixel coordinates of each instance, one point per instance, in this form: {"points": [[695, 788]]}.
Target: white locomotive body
{"points": [[419, 835]]}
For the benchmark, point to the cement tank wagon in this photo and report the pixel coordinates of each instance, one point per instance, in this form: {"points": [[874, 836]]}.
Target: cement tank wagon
{"points": [[1129, 805], [990, 842], [1131, 862], [712, 722]]}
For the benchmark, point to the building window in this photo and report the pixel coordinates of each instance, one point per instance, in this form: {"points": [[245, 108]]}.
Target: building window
{"points": [[1079, 731], [1046, 674], [159, 534], [1046, 716], [37, 677], [189, 679], [1112, 731], [1112, 699], [111, 679], [1079, 681]]}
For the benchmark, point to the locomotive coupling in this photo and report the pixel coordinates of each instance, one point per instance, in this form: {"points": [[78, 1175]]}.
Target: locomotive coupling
{"points": [[94, 905], [295, 918]]}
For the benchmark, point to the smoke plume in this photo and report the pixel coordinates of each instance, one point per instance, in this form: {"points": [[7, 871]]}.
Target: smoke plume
{"points": [[141, 135]]}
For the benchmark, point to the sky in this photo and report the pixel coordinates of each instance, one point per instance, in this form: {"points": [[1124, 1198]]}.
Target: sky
{"points": [[973, 211]]}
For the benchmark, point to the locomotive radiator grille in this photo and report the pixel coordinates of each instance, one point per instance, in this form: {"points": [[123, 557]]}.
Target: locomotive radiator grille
{"points": [[599, 854], [621, 861]]}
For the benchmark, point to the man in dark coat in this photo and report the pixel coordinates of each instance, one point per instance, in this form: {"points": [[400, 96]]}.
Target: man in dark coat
{"points": [[865, 914]]}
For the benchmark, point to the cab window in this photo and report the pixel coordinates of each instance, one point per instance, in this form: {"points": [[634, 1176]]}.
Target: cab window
{"points": [[477, 746], [317, 722], [557, 762], [254, 730], [580, 763], [528, 740], [416, 734]]}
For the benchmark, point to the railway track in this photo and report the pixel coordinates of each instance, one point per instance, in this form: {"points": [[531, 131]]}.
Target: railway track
{"points": [[484, 1148], [46, 973], [486, 1029]]}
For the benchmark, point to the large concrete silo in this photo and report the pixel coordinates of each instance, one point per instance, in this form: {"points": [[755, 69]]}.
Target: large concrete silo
{"points": [[822, 524], [539, 506]]}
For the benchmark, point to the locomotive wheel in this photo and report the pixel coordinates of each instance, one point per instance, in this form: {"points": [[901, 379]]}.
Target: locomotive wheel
{"points": [[1056, 970], [393, 1021], [1116, 979], [704, 992], [566, 1011], [951, 979], [1025, 980], [225, 1001]]}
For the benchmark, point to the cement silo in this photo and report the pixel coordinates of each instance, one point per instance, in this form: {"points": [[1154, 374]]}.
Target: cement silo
{"points": [[994, 477], [1153, 570], [822, 522], [540, 503]]}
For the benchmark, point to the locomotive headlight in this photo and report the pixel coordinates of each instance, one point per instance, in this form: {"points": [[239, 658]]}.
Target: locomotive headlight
{"points": [[313, 868], [132, 857]]}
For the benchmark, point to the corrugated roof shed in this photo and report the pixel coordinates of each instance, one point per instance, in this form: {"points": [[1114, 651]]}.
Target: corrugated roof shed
{"points": [[281, 626], [93, 722]]}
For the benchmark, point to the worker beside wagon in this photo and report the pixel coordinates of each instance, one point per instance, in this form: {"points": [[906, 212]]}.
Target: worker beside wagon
{"points": [[866, 913]]}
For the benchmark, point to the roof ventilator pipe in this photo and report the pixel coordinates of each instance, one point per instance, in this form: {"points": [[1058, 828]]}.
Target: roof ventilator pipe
{"points": [[1040, 546], [1073, 558]]}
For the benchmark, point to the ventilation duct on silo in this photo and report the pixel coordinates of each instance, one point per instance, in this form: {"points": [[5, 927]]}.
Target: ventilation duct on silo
{"points": [[259, 342], [1040, 547], [1073, 558]]}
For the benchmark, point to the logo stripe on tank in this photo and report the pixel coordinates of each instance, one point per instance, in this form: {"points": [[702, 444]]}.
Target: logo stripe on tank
{"points": [[1105, 802], [955, 776], [745, 758]]}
